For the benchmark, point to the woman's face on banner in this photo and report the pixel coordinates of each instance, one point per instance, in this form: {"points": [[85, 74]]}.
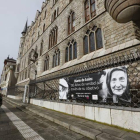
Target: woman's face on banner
{"points": [[118, 82]]}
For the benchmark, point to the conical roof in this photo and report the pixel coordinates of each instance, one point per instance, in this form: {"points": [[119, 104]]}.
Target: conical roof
{"points": [[25, 28]]}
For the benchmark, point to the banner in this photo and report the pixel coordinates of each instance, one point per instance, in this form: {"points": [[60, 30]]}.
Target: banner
{"points": [[110, 85]]}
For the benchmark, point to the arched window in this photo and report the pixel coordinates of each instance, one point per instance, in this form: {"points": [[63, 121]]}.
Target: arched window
{"points": [[52, 18], [41, 48], [29, 58], [45, 14], [39, 22], [71, 23], [32, 41], [54, 2], [36, 49], [53, 37], [92, 40], [25, 74], [54, 14], [44, 28], [71, 51], [38, 34], [56, 58], [90, 10], [46, 63]]}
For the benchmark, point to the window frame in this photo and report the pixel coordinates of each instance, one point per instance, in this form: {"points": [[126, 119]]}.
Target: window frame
{"points": [[71, 21], [89, 8], [46, 63], [67, 49], [95, 40], [56, 58]]}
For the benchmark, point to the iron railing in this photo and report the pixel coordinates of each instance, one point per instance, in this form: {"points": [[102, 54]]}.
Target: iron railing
{"points": [[47, 87]]}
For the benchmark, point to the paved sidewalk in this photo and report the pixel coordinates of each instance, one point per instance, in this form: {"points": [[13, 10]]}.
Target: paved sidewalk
{"points": [[85, 127]]}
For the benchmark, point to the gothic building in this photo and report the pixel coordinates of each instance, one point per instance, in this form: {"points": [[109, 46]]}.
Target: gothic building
{"points": [[95, 41], [67, 34], [8, 78]]}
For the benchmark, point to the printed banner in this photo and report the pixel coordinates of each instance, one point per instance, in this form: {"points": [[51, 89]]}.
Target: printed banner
{"points": [[110, 85]]}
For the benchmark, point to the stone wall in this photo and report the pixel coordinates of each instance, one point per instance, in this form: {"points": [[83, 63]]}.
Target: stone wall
{"points": [[109, 116]]}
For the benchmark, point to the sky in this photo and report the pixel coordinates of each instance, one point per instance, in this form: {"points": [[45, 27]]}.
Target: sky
{"points": [[13, 16]]}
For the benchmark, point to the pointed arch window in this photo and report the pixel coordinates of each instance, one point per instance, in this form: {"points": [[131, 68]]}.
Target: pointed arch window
{"points": [[25, 74], [44, 28], [54, 14], [46, 63], [41, 48], [56, 58], [53, 37], [29, 58], [71, 22], [54, 2], [92, 40], [71, 51], [45, 14], [90, 10], [39, 22]]}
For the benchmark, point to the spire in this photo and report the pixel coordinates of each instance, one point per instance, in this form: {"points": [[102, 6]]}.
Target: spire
{"points": [[25, 28]]}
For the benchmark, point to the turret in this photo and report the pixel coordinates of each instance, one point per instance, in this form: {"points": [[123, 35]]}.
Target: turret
{"points": [[25, 29]]}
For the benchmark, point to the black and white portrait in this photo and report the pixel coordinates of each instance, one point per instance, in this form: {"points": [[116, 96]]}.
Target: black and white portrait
{"points": [[117, 85], [63, 89]]}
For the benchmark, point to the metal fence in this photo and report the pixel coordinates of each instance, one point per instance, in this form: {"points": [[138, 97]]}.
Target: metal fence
{"points": [[16, 90], [47, 87]]}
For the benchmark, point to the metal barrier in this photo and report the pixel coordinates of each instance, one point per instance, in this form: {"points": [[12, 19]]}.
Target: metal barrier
{"points": [[16, 90]]}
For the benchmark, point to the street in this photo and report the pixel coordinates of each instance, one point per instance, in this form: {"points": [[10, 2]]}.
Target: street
{"points": [[18, 125]]}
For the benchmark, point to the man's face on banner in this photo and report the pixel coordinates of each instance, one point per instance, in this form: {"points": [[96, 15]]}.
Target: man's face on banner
{"points": [[118, 82]]}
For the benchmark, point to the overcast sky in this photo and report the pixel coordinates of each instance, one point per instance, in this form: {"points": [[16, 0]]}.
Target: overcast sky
{"points": [[13, 15]]}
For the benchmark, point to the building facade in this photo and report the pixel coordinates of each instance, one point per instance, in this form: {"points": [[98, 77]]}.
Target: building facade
{"points": [[84, 40], [69, 37], [66, 33], [8, 78]]}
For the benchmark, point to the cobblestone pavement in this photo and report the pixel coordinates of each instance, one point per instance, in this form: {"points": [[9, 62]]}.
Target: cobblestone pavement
{"points": [[18, 125]]}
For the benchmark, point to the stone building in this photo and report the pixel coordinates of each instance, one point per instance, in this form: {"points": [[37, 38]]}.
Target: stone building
{"points": [[71, 38], [8, 78], [67, 33]]}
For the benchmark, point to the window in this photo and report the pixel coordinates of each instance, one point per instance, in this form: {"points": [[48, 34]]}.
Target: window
{"points": [[29, 61], [92, 40], [46, 63], [5, 77], [56, 58], [38, 34], [90, 10], [41, 48], [54, 2], [71, 23], [54, 15], [39, 22], [44, 28], [71, 51], [53, 37], [45, 14], [33, 31], [25, 74], [32, 41], [36, 49]]}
